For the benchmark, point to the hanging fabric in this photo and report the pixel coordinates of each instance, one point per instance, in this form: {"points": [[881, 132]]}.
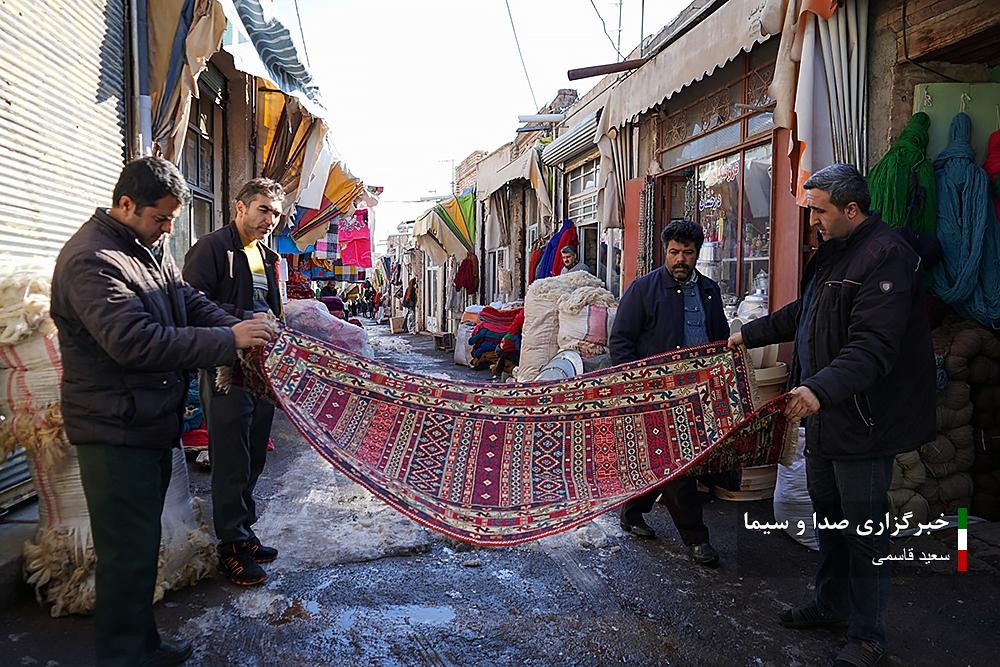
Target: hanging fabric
{"points": [[820, 82], [902, 182], [285, 150], [181, 38], [992, 166], [967, 228]]}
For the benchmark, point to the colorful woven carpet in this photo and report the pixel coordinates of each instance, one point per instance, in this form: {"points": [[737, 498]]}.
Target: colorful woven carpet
{"points": [[499, 464]]}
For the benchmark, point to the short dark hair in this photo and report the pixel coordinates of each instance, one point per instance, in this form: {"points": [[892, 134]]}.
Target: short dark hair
{"points": [[149, 179], [683, 231], [844, 183], [260, 186]]}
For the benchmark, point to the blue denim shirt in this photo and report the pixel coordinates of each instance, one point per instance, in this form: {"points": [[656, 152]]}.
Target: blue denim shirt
{"points": [[695, 332]]}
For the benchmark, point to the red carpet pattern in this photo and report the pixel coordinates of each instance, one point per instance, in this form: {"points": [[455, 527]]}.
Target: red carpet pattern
{"points": [[500, 464]]}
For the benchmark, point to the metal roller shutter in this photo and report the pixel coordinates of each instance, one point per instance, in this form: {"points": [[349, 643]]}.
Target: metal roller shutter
{"points": [[62, 118]]}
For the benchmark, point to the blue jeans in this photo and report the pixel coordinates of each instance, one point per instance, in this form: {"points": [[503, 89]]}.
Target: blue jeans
{"points": [[848, 584]]}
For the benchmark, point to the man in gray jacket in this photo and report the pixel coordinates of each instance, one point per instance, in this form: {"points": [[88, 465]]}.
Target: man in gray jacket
{"points": [[129, 329]]}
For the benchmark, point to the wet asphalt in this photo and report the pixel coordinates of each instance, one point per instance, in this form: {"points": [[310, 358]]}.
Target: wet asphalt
{"points": [[357, 583]]}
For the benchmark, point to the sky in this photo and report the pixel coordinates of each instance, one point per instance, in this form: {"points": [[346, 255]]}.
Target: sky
{"points": [[413, 86]]}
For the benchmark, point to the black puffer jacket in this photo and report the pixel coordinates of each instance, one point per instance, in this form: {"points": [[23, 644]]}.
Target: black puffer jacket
{"points": [[129, 327], [869, 346], [650, 317]]}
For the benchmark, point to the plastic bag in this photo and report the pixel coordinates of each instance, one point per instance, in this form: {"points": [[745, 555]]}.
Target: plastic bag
{"points": [[312, 318]]}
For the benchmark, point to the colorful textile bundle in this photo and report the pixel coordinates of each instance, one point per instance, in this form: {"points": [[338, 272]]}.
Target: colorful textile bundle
{"points": [[501, 464], [549, 265], [902, 182]]}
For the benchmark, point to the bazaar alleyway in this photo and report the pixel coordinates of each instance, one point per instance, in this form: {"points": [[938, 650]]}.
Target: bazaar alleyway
{"points": [[359, 584]]}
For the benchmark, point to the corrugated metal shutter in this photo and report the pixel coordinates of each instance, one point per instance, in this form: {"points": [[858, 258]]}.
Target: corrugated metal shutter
{"points": [[574, 141], [62, 118], [15, 480]]}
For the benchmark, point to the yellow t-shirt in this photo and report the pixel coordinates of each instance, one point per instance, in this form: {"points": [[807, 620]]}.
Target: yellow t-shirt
{"points": [[256, 260]]}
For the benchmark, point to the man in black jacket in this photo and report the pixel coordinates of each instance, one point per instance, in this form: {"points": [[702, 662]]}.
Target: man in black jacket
{"points": [[864, 367], [239, 273], [129, 327], [670, 308]]}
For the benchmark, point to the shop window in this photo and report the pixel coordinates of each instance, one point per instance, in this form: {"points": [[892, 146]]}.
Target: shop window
{"points": [[496, 260], [588, 248], [718, 188], [756, 218], [198, 164], [730, 197], [432, 297], [720, 112], [611, 266], [582, 205]]}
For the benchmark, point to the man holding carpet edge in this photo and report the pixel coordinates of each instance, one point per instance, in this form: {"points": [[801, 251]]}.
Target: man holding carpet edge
{"points": [[864, 366]]}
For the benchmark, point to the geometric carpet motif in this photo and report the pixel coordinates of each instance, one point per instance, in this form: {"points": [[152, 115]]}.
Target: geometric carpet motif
{"points": [[499, 464]]}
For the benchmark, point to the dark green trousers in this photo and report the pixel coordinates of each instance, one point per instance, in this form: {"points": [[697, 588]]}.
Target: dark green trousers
{"points": [[125, 488]]}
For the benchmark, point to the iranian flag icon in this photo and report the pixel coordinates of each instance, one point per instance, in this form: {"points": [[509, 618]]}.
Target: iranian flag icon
{"points": [[963, 539]]}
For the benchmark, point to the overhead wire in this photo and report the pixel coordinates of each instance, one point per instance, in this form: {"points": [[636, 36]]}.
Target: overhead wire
{"points": [[521, 55], [605, 26]]}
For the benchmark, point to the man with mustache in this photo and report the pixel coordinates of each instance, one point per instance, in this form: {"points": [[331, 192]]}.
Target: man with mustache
{"points": [[129, 328], [237, 271], [672, 307]]}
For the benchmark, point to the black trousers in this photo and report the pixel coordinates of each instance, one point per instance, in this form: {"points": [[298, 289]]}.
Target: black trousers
{"points": [[682, 500], [125, 488], [239, 427]]}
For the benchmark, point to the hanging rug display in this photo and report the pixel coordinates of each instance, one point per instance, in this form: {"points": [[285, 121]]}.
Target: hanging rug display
{"points": [[501, 464]]}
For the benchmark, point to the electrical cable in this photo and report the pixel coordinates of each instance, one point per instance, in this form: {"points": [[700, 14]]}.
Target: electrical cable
{"points": [[521, 55], [302, 33], [605, 26]]}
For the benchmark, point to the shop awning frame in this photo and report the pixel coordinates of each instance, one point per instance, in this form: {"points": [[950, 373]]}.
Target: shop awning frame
{"points": [[574, 141]]}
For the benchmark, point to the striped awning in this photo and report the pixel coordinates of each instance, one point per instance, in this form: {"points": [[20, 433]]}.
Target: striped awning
{"points": [[261, 45]]}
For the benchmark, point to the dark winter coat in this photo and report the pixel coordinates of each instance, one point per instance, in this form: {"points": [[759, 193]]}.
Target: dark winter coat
{"points": [[217, 265], [650, 317], [869, 346], [129, 328]]}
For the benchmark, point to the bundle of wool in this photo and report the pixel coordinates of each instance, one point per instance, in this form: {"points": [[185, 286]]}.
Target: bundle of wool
{"points": [[908, 500], [540, 335], [25, 287], [952, 451], [586, 316], [908, 471], [986, 407], [954, 409], [946, 495], [30, 373], [967, 344]]}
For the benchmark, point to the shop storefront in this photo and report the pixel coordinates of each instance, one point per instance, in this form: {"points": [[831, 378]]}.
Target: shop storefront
{"points": [[716, 161]]}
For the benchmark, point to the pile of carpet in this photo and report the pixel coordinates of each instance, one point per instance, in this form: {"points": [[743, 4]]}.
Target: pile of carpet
{"points": [[961, 466], [495, 324], [59, 560]]}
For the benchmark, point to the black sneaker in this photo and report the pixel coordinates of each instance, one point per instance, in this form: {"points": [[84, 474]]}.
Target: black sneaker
{"points": [[237, 564], [261, 554]]}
